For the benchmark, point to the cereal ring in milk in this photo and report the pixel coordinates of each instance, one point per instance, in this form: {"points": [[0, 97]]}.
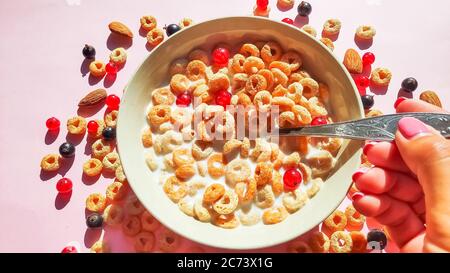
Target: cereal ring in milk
{"points": [[111, 161], [186, 207], [148, 222], [92, 167], [365, 32], [213, 193], [321, 162], [182, 157], [331, 144], [175, 189], [50, 162], [168, 142], [268, 75], [97, 68], [295, 92], [248, 50], [263, 100], [181, 117], [280, 91], [201, 213], [144, 242], [169, 241], [279, 77], [199, 55], [146, 137], [158, 114], [316, 108], [100, 148], [294, 200], [202, 94], [111, 118], [155, 37], [310, 87], [163, 95], [76, 125], [186, 22], [319, 242], [277, 183], [227, 221], [271, 51], [310, 30], [274, 215], [332, 27], [100, 247], [196, 70], [231, 146], [299, 247], [133, 206], [359, 242], [131, 225], [237, 171], [291, 161], [195, 186], [185, 172], [265, 197], [355, 220], [239, 81], [293, 59], [246, 190], [216, 165], [201, 150], [302, 115], [113, 215], [237, 63], [262, 151], [287, 120], [179, 83], [253, 64], [263, 173], [227, 203], [381, 77], [337, 221], [316, 184], [116, 191], [218, 81], [148, 22], [341, 242], [118, 56], [284, 67], [249, 218], [328, 43], [95, 202]]}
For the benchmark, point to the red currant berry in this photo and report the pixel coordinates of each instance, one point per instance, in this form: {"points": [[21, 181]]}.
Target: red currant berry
{"points": [[92, 127], [52, 124], [292, 179], [288, 21], [319, 121], [262, 4], [223, 98], [113, 102], [368, 58], [111, 68], [184, 99], [64, 185], [69, 249], [220, 56], [362, 82]]}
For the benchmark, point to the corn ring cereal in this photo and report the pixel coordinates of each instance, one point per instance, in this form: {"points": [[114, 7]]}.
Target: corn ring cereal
{"points": [[213, 193], [381, 77], [246, 190], [144, 242], [283, 66], [184, 172], [201, 150], [332, 27], [148, 222], [274, 215], [279, 77], [101, 126], [293, 59], [319, 242], [355, 220], [315, 187], [227, 221], [291, 161], [237, 171], [111, 118], [50, 162], [201, 212], [175, 189], [253, 64], [133, 206], [97, 68], [100, 247], [294, 200], [100, 148], [263, 100], [120, 175], [337, 221], [155, 37], [76, 125], [310, 87], [359, 242], [237, 63], [218, 81], [265, 197], [118, 56], [159, 114], [186, 22], [163, 95], [116, 191], [365, 32], [196, 70], [249, 218], [111, 161], [227, 203], [271, 51], [182, 157], [341, 242], [263, 173], [231, 145], [328, 43], [148, 22], [179, 83], [95, 202], [92, 167], [131, 225], [248, 50], [146, 138], [286, 4], [245, 148], [113, 215], [169, 241], [216, 165], [186, 207]]}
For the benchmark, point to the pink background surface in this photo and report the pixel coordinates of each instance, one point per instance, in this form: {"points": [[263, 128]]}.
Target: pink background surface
{"points": [[41, 75]]}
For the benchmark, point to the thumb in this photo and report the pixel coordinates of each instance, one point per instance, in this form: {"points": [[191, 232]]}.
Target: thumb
{"points": [[427, 154]]}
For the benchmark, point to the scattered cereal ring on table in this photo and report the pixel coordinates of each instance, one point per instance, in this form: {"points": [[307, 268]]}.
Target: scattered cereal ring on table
{"points": [[118, 56], [148, 22], [169, 241], [111, 161], [319, 242], [355, 220], [100, 125], [131, 225], [100, 148], [92, 167], [144, 242], [381, 77], [96, 202], [186, 22], [332, 27], [133, 206], [120, 175], [285, 4], [76, 125], [148, 222], [337, 221], [155, 37], [50, 162], [100, 247], [113, 215], [97, 68], [299, 247], [359, 242], [116, 191], [365, 32], [341, 242], [111, 118]]}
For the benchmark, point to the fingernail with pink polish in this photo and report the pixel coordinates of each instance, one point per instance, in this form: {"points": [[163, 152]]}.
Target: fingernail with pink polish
{"points": [[367, 147], [398, 101], [411, 127], [357, 196], [358, 173]]}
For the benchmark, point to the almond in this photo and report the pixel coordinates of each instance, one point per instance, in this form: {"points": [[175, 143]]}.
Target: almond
{"points": [[95, 97], [121, 29], [431, 97], [353, 62]]}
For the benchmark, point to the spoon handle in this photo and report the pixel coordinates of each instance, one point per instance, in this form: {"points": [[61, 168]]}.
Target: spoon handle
{"points": [[381, 128]]}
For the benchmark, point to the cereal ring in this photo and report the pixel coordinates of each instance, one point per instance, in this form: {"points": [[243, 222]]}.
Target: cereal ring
{"points": [[239, 81], [296, 77], [131, 225], [133, 206], [253, 64], [97, 68], [184, 172], [116, 191], [95, 202], [285, 4], [111, 161], [263, 173], [159, 114], [186, 22], [341, 242], [248, 50], [299, 247], [315, 187], [263, 100], [249, 218], [237, 63], [302, 115], [295, 92], [243, 99], [287, 120], [271, 51], [168, 162], [295, 200], [359, 242], [100, 247], [163, 95], [148, 22], [201, 212], [144, 242], [196, 70], [284, 67], [328, 43], [213, 193], [155, 37], [218, 81], [113, 215], [202, 94], [167, 142], [309, 30], [274, 215], [182, 157], [237, 171], [148, 222], [355, 220], [293, 59], [92, 167], [230, 146], [265, 197], [321, 162], [169, 241], [332, 27], [200, 55], [268, 75], [291, 161], [227, 203], [245, 147], [262, 151], [331, 144], [175, 189], [186, 207], [279, 77], [277, 183], [336, 221], [366, 32], [316, 108], [146, 138], [120, 175], [118, 56], [111, 118], [50, 162], [381, 76], [181, 117], [76, 125], [178, 66], [100, 148], [280, 91], [216, 165], [245, 190], [201, 149], [179, 83], [101, 126], [319, 242], [310, 87], [227, 221]]}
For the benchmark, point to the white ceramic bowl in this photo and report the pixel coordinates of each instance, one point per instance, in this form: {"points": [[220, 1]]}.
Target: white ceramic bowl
{"points": [[153, 72]]}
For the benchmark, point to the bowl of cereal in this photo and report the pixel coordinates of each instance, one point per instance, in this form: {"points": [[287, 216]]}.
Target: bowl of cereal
{"points": [[192, 132]]}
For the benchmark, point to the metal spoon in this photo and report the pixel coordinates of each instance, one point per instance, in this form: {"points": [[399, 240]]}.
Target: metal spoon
{"points": [[381, 128]]}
